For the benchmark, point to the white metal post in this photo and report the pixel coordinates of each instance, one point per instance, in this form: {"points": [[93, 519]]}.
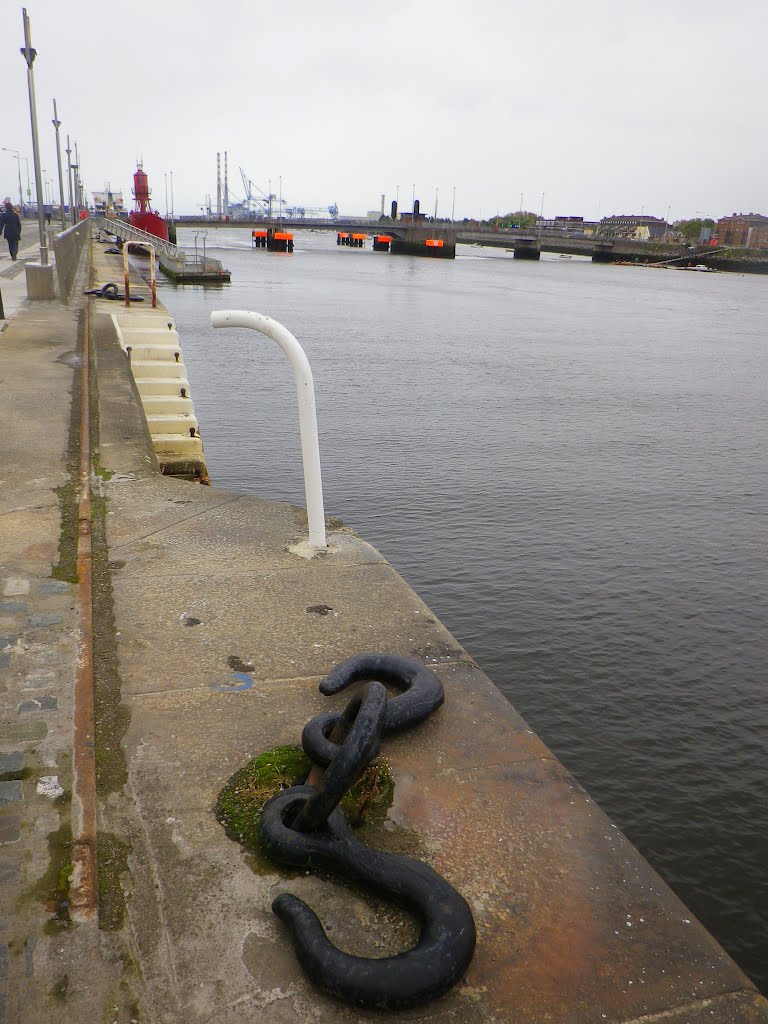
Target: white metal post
{"points": [[305, 393]]}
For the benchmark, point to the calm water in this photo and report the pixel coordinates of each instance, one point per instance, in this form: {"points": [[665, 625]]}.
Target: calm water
{"points": [[568, 463]]}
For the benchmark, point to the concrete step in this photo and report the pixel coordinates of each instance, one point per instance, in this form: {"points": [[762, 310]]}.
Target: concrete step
{"points": [[177, 444], [152, 318], [169, 423], [143, 352], [163, 385], [135, 335], [159, 368], [167, 405]]}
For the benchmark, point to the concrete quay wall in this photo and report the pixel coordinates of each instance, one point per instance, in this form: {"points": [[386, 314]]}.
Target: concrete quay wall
{"points": [[210, 639]]}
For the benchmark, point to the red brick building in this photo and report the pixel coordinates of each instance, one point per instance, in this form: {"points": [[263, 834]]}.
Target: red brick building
{"points": [[746, 230]]}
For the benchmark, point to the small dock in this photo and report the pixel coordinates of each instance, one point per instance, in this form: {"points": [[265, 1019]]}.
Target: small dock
{"points": [[175, 262]]}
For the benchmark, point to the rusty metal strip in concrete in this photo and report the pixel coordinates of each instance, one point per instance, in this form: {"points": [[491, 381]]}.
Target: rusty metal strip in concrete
{"points": [[84, 890]]}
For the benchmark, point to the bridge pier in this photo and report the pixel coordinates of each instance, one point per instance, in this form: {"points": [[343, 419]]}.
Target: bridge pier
{"points": [[527, 249], [436, 243]]}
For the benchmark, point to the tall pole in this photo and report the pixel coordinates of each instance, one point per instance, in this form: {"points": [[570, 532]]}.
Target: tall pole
{"points": [[437, 192], [29, 191], [453, 206], [57, 125], [218, 186], [226, 188], [18, 162], [68, 151], [76, 199], [171, 197], [165, 173], [76, 168], [29, 54], [21, 197]]}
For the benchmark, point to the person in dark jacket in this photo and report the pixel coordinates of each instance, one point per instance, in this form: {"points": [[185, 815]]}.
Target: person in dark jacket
{"points": [[11, 228]]}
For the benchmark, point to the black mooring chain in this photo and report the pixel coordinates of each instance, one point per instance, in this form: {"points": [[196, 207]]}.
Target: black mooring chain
{"points": [[304, 825]]}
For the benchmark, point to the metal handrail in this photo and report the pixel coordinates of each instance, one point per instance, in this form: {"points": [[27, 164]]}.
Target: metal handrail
{"points": [[123, 228], [305, 393], [173, 251]]}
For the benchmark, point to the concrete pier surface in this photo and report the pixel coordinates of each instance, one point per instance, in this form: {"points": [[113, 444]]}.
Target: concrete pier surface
{"points": [[210, 638]]}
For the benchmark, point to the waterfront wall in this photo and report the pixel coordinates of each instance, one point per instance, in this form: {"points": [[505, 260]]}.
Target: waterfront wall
{"points": [[68, 247]]}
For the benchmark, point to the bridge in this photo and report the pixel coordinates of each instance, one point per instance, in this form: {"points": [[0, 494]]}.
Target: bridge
{"points": [[526, 243]]}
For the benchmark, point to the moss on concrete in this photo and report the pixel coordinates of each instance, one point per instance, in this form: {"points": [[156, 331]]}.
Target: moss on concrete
{"points": [[60, 989], [66, 567], [52, 888], [112, 861], [241, 800], [112, 717]]}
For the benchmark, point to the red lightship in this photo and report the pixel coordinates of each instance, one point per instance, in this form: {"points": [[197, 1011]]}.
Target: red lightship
{"points": [[144, 216]]}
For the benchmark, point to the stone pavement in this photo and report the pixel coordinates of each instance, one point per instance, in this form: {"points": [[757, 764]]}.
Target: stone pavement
{"points": [[41, 955], [13, 280], [210, 638]]}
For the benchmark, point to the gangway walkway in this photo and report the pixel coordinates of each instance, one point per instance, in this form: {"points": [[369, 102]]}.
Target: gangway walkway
{"points": [[175, 261]]}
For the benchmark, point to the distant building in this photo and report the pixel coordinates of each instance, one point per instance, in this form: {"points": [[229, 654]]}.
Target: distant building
{"points": [[631, 226], [746, 230], [574, 224], [108, 202]]}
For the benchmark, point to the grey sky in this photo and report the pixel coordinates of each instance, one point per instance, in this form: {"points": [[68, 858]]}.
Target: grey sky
{"points": [[606, 106]]}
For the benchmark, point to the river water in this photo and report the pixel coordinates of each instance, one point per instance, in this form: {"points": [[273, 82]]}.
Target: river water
{"points": [[567, 462]]}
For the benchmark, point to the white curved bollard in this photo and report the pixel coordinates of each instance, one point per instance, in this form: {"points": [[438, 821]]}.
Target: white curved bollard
{"points": [[305, 393]]}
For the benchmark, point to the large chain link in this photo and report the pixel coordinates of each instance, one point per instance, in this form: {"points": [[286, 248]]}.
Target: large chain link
{"points": [[304, 826]]}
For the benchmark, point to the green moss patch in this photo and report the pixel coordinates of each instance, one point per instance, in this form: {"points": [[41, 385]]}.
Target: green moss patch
{"points": [[66, 567], [112, 860], [241, 800], [52, 889]]}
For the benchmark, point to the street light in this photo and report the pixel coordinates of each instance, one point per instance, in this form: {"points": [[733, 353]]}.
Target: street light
{"points": [[68, 151], [57, 124], [6, 149], [29, 190], [29, 54]]}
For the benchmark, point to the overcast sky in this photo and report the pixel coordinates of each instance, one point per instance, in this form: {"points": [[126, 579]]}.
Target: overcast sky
{"points": [[603, 106]]}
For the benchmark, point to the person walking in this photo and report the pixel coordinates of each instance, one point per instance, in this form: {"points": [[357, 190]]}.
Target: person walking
{"points": [[11, 228]]}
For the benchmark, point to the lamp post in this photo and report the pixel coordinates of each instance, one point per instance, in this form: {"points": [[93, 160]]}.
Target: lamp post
{"points": [[57, 125], [29, 190], [171, 197], [453, 205], [68, 151], [437, 192], [76, 193], [29, 54], [6, 149]]}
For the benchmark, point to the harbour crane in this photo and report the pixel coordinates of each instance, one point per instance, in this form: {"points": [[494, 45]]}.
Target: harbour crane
{"points": [[261, 204]]}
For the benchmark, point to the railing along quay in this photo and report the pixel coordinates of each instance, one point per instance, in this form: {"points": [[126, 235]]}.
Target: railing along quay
{"points": [[185, 263]]}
